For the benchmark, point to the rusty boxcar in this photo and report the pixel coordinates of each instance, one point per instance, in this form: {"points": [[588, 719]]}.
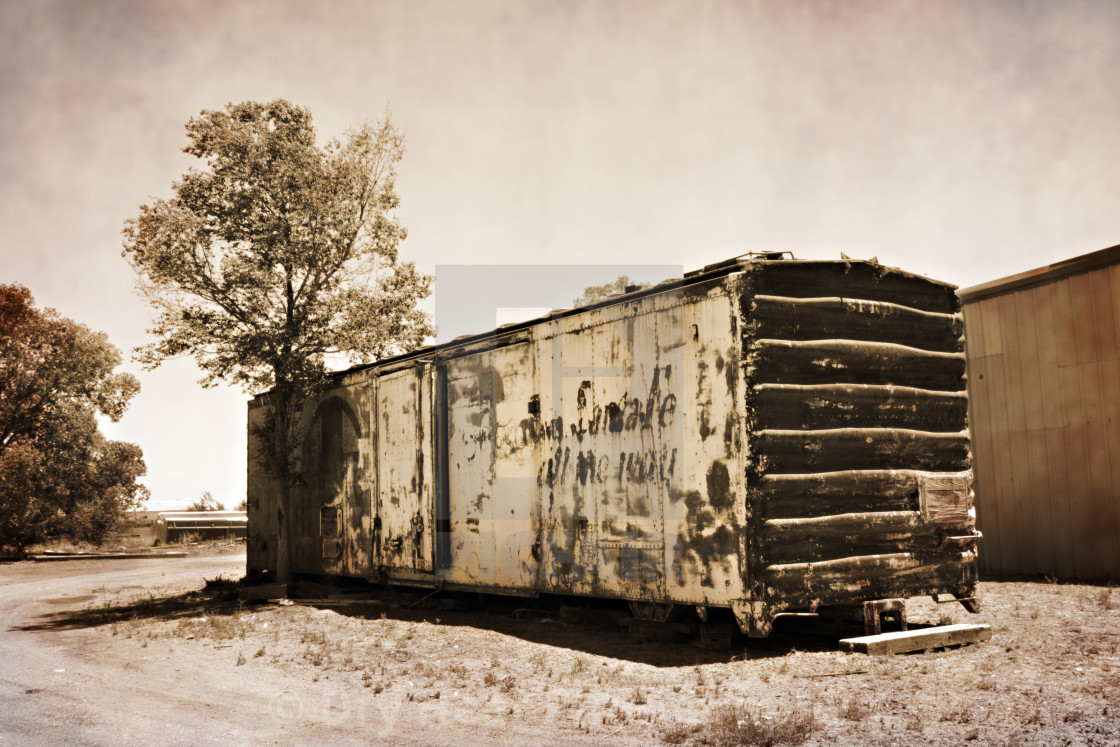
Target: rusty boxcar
{"points": [[177, 526], [765, 435]]}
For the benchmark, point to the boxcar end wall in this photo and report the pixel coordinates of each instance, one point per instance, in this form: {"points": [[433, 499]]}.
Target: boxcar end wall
{"points": [[765, 435]]}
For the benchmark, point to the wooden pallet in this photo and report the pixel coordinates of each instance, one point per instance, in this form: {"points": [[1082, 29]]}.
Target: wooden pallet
{"points": [[922, 639]]}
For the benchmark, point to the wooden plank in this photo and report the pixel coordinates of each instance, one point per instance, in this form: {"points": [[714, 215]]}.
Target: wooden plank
{"points": [[900, 642], [853, 362], [946, 501], [786, 318], [329, 602], [815, 406]]}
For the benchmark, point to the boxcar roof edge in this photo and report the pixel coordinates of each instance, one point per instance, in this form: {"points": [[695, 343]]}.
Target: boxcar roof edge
{"points": [[506, 333]]}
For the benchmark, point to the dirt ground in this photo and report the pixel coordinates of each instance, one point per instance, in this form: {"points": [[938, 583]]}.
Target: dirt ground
{"points": [[101, 651]]}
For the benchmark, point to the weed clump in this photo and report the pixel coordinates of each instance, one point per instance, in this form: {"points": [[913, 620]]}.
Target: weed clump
{"points": [[678, 733], [733, 724], [856, 708]]}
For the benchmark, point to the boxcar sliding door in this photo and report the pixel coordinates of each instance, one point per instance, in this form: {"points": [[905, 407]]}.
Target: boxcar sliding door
{"points": [[492, 501], [402, 525]]}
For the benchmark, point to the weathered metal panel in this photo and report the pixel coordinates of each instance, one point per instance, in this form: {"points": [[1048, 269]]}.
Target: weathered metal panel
{"points": [[470, 456], [704, 533], [572, 531], [493, 431], [333, 493], [403, 515], [615, 400], [516, 451], [626, 465]]}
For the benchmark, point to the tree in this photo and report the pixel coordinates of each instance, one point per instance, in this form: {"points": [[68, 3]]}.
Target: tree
{"points": [[206, 502], [58, 474], [595, 293], [48, 361], [274, 256]]}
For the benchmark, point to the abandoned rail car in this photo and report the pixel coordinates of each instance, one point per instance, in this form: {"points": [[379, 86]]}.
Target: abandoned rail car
{"points": [[766, 435], [177, 526]]}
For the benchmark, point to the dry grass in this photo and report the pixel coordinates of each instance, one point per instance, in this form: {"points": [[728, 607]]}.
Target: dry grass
{"points": [[858, 707], [113, 543], [1105, 600], [1049, 674], [741, 725]]}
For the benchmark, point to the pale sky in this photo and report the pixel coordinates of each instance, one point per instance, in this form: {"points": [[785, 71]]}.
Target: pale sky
{"points": [[966, 140]]}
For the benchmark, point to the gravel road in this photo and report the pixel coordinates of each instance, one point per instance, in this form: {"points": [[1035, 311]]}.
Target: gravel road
{"points": [[73, 686]]}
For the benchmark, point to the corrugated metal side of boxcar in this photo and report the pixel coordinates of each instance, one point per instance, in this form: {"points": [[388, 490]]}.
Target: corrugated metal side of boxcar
{"points": [[860, 468], [600, 455]]}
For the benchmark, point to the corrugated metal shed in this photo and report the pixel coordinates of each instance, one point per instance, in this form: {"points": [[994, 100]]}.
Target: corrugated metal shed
{"points": [[1043, 351]]}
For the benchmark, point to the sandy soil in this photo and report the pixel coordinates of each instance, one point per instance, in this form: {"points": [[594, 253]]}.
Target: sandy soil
{"points": [[99, 652]]}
